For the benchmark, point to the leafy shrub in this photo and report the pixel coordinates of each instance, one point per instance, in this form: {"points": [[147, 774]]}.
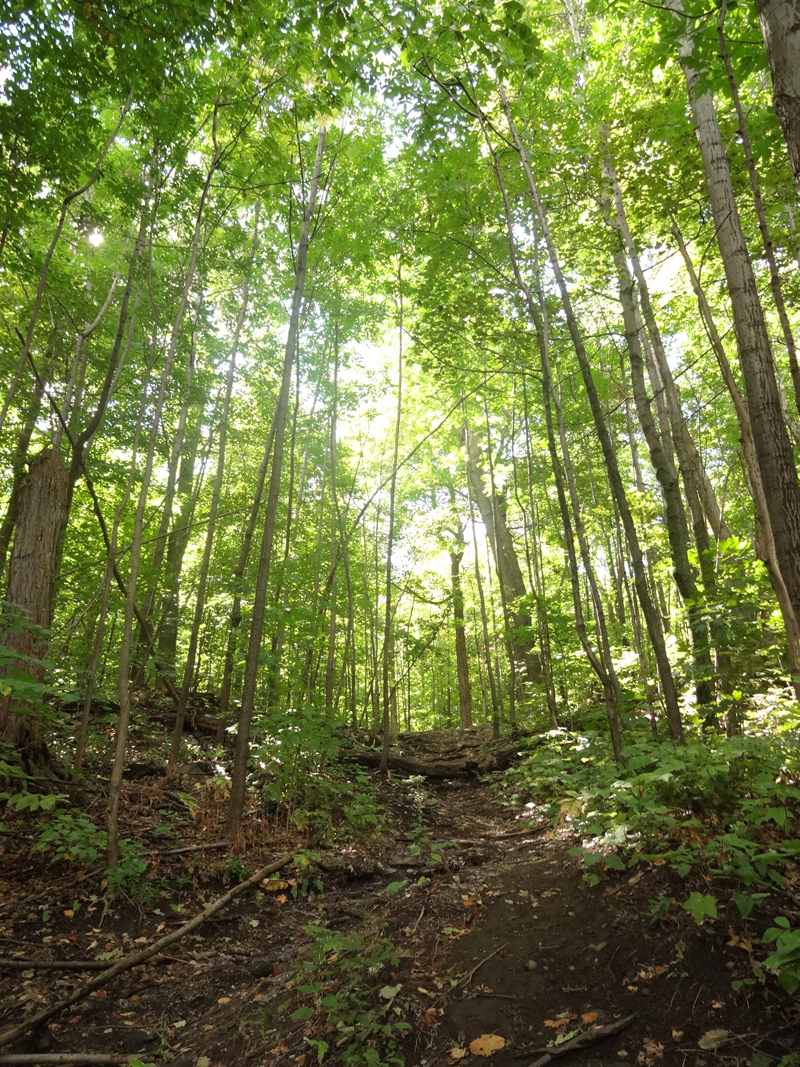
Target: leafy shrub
{"points": [[296, 754], [703, 803], [70, 836]]}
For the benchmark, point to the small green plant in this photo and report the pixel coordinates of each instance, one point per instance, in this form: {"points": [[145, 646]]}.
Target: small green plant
{"points": [[126, 877], [785, 960], [701, 906], [339, 982], [308, 881], [69, 835], [235, 870], [423, 844], [659, 908]]}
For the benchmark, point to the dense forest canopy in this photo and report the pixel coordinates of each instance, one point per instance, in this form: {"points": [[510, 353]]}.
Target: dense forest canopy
{"points": [[406, 366]]}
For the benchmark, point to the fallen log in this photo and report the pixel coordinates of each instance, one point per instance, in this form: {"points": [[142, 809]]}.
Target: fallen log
{"points": [[193, 724], [368, 758], [53, 965], [141, 957], [39, 1059]]}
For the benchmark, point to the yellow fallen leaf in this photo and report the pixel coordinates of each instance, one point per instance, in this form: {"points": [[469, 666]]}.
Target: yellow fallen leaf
{"points": [[589, 1017], [281, 898], [487, 1045], [69, 913], [224, 1000], [560, 1023], [457, 1054]]}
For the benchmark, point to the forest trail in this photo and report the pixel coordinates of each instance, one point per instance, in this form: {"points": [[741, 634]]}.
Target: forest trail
{"points": [[456, 920]]}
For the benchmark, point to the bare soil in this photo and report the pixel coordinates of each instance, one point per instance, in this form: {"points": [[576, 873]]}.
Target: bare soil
{"points": [[502, 938]]}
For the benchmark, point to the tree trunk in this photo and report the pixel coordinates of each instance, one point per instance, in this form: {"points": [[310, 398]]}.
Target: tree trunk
{"points": [[387, 623], [755, 186], [487, 647], [239, 778], [18, 473], [764, 541], [770, 437], [675, 513], [509, 572], [652, 619], [780, 24], [35, 559], [462, 660]]}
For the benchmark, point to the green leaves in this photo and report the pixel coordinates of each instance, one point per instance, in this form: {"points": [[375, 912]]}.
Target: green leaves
{"points": [[785, 960], [701, 906]]}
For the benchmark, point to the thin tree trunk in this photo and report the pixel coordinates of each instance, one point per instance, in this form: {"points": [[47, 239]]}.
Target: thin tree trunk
{"points": [[123, 723], [764, 541], [652, 619], [111, 553], [770, 437], [755, 186], [675, 513], [487, 648], [239, 779], [216, 492], [387, 624]]}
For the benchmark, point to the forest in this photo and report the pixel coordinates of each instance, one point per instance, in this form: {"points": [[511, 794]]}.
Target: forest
{"points": [[399, 532]]}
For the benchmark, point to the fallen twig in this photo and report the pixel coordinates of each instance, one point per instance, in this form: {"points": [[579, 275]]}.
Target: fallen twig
{"points": [[141, 957], [585, 1040], [53, 965], [62, 1057], [470, 974], [189, 848]]}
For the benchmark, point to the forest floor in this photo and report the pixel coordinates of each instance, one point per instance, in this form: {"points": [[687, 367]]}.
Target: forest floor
{"points": [[497, 946]]}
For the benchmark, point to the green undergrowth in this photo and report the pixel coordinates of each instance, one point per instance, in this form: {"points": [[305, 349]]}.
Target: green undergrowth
{"points": [[344, 995], [726, 805], [296, 771], [726, 808]]}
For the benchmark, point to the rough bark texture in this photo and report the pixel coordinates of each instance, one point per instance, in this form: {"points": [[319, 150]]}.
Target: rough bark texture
{"points": [[772, 444], [780, 24], [35, 558]]}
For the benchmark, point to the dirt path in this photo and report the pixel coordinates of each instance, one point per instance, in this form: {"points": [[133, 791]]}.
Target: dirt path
{"points": [[502, 938]]}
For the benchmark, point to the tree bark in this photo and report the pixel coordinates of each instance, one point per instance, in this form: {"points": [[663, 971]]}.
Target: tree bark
{"points": [[675, 513], [216, 493], [780, 25], [755, 186], [34, 564], [764, 541], [462, 660], [770, 437], [387, 622]]}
